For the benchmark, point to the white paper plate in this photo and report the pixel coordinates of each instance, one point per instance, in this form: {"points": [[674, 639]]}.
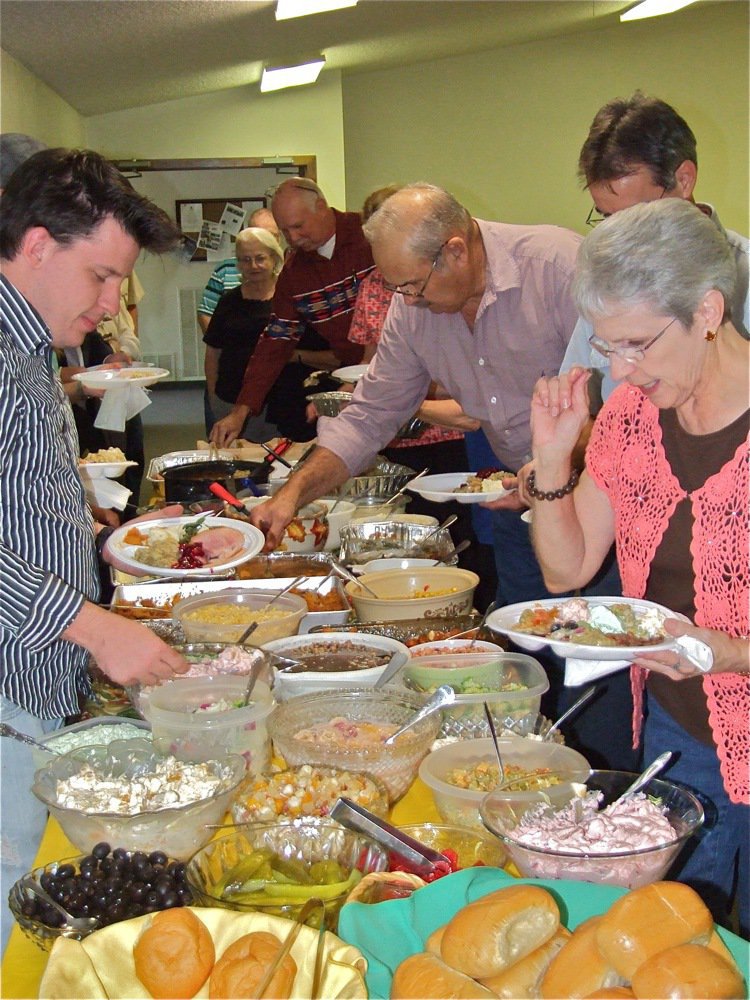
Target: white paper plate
{"points": [[108, 378], [254, 541], [441, 489], [504, 619], [352, 373], [103, 470]]}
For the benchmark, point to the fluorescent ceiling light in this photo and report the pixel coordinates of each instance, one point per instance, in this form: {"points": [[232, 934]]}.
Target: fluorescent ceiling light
{"points": [[299, 8], [653, 8], [278, 77]]}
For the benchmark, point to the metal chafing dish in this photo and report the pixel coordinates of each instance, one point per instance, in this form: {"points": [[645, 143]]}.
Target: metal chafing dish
{"points": [[363, 542]]}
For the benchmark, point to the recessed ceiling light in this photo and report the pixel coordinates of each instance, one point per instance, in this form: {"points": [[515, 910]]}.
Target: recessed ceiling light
{"points": [[653, 8], [300, 8], [279, 77]]}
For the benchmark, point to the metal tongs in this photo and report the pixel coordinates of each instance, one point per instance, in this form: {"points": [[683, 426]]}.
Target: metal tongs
{"points": [[423, 860], [310, 906]]}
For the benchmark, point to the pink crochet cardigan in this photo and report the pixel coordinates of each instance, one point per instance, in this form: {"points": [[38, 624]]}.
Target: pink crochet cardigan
{"points": [[626, 459]]}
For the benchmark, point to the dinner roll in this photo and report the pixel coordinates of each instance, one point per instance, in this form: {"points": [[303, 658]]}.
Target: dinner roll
{"points": [[425, 975], [612, 993], [243, 966], [493, 932], [650, 919], [688, 972], [521, 980], [433, 942], [578, 969], [174, 954]]}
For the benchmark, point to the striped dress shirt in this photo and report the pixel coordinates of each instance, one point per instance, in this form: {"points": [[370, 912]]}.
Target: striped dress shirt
{"points": [[48, 564]]}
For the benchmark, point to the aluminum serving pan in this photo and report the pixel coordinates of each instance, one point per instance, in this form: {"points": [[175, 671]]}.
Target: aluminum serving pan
{"points": [[382, 479], [163, 594], [330, 404], [361, 543], [412, 631]]}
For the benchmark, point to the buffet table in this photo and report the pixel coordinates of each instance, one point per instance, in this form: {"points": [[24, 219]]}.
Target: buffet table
{"points": [[24, 962]]}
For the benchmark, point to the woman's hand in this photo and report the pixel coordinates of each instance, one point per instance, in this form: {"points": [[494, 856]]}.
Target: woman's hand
{"points": [[559, 412], [730, 655]]}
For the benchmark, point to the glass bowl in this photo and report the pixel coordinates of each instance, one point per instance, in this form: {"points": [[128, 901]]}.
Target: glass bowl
{"points": [[289, 610], [305, 841], [98, 731], [308, 790], [45, 935], [632, 868], [208, 659], [395, 765], [461, 805], [371, 540], [472, 847], [178, 830]]}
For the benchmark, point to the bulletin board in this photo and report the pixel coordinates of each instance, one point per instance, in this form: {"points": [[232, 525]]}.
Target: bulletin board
{"points": [[210, 225]]}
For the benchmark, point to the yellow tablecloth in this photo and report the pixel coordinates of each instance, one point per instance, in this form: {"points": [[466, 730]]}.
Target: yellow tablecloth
{"points": [[24, 962]]}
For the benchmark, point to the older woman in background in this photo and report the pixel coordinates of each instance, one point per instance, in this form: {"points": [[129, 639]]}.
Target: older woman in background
{"points": [[667, 479]]}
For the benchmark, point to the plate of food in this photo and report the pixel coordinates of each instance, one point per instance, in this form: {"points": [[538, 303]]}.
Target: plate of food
{"points": [[465, 487], [185, 546], [602, 628], [103, 377], [107, 463], [351, 373]]}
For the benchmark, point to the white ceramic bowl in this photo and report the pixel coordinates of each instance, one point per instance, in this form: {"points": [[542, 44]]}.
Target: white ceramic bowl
{"points": [[341, 515], [448, 592], [461, 805], [289, 685]]}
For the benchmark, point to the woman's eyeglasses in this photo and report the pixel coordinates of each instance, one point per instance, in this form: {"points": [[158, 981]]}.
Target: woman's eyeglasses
{"points": [[632, 355]]}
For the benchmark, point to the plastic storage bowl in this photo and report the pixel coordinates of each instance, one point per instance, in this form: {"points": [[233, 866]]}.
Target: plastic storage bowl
{"points": [[203, 717], [99, 731], [203, 618], [289, 684], [178, 830], [395, 765], [448, 592], [378, 508], [511, 684], [472, 847], [340, 516], [625, 868], [300, 841], [233, 661], [461, 805]]}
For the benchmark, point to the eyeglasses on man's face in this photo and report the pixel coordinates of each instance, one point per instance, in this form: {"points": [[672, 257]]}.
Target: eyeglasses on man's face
{"points": [[417, 293], [595, 216], [632, 355]]}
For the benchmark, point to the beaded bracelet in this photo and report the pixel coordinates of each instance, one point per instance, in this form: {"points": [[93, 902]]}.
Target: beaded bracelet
{"points": [[551, 494]]}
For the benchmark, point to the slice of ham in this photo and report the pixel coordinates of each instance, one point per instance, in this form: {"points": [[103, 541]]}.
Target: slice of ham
{"points": [[220, 544]]}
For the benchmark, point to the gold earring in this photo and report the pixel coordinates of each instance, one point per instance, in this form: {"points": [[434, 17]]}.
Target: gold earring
{"points": [[709, 335]]}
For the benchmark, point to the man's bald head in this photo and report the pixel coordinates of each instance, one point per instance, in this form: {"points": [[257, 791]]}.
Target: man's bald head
{"points": [[421, 217], [302, 213], [262, 218]]}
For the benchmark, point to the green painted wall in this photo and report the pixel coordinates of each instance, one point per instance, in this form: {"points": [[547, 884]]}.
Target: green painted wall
{"points": [[502, 129], [30, 106]]}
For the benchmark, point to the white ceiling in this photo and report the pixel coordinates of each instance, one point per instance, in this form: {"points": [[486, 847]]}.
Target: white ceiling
{"points": [[106, 55]]}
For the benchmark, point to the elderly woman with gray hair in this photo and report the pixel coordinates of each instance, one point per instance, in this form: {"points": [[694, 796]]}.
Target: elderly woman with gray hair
{"points": [[236, 324], [666, 479]]}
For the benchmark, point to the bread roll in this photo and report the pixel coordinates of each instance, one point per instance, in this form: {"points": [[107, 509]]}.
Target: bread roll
{"points": [[650, 919], [716, 944], [426, 975], [493, 932], [521, 980], [688, 971], [174, 954], [612, 993], [433, 942], [241, 969], [578, 969]]}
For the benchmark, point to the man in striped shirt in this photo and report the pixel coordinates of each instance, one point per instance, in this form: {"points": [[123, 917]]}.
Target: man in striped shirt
{"points": [[71, 228]]}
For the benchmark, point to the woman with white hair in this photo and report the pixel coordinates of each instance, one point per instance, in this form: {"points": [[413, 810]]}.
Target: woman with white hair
{"points": [[666, 479], [240, 317]]}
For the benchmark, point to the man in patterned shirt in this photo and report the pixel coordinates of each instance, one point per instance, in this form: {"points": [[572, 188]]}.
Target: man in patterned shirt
{"points": [[316, 289]]}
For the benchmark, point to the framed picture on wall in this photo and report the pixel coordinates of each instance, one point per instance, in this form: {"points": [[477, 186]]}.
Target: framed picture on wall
{"points": [[212, 224]]}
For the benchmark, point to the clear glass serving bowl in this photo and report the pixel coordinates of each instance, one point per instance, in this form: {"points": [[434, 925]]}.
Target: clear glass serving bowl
{"points": [[631, 869], [178, 831]]}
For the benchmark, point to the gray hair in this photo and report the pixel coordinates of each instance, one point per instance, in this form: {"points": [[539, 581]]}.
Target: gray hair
{"points": [[304, 185], [441, 217], [666, 254], [268, 240]]}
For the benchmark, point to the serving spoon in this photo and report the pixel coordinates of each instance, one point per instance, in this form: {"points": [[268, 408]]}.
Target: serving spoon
{"points": [[6, 730], [444, 695], [567, 714], [643, 779], [493, 734], [348, 575], [83, 924]]}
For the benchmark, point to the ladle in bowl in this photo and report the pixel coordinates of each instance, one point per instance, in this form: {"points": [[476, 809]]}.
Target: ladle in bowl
{"points": [[568, 712], [13, 734]]}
